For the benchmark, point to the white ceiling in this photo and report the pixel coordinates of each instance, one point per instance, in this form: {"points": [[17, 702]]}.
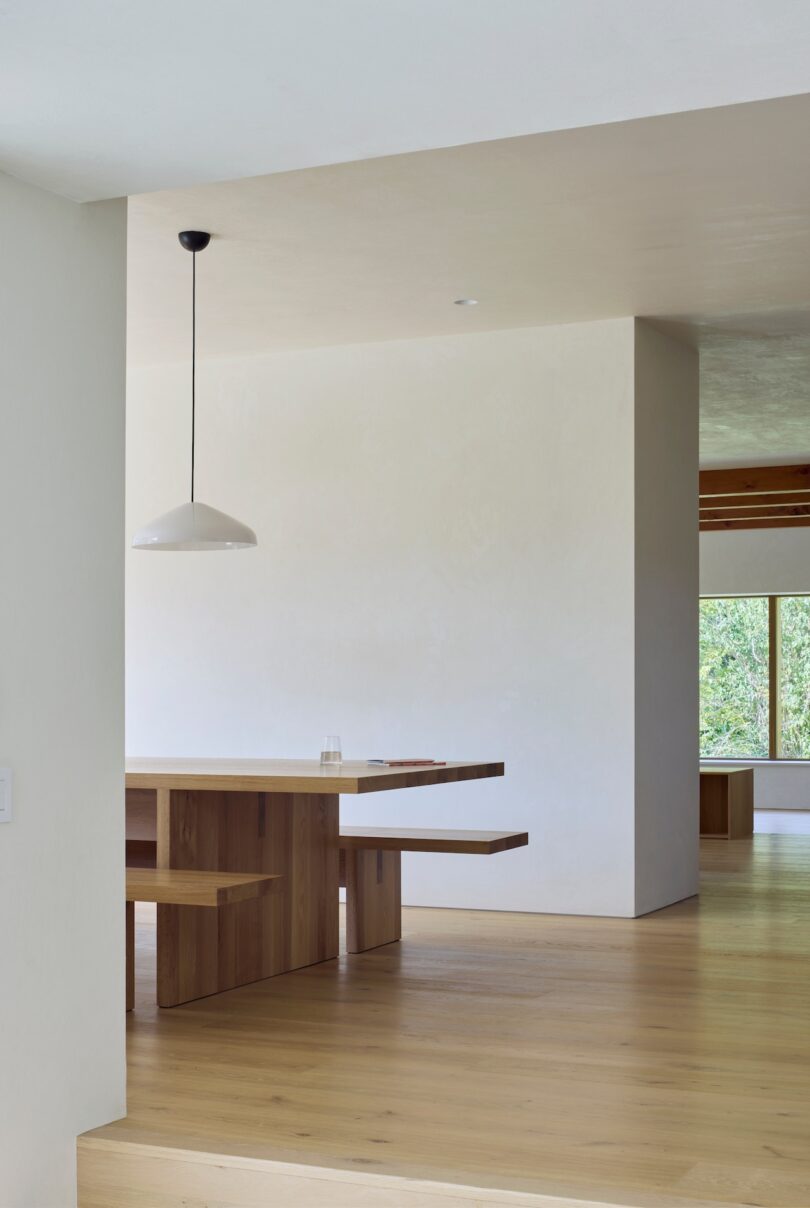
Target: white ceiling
{"points": [[699, 219], [103, 98], [700, 215]]}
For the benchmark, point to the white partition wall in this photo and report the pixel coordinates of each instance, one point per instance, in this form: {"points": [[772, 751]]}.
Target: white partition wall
{"points": [[666, 620], [457, 558], [755, 562], [62, 1061]]}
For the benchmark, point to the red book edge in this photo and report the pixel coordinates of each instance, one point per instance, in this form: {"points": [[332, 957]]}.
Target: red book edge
{"points": [[415, 763]]}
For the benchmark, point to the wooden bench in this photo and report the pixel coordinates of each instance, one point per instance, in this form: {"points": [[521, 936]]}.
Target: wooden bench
{"points": [[726, 802], [370, 869], [185, 887]]}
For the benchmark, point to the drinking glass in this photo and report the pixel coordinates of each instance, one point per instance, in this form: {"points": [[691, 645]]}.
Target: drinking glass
{"points": [[330, 751]]}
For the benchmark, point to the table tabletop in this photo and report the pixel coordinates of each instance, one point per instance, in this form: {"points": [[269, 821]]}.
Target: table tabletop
{"points": [[294, 775]]}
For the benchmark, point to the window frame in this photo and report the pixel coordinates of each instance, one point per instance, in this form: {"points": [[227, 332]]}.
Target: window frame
{"points": [[774, 678]]}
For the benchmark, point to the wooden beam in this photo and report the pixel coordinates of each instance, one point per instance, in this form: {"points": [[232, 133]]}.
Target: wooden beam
{"points": [[755, 479], [767, 499], [709, 526], [753, 512]]}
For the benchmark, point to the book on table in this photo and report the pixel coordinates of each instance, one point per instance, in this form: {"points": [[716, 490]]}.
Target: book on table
{"points": [[407, 763]]}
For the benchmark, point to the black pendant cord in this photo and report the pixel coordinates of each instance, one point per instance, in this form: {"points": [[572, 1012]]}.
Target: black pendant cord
{"points": [[193, 241], [193, 362]]}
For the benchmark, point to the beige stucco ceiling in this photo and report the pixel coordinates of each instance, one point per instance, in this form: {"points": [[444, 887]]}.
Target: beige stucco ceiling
{"points": [[755, 395], [701, 218]]}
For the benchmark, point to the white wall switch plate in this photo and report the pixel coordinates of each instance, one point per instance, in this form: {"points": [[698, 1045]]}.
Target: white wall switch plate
{"points": [[5, 794]]}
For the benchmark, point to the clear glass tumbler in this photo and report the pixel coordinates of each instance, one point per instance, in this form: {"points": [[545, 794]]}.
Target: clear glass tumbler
{"points": [[331, 756]]}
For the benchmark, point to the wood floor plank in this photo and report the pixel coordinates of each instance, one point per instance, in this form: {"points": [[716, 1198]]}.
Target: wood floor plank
{"points": [[143, 1176]]}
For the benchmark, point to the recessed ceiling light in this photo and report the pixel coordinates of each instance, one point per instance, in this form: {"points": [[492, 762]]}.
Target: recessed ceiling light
{"points": [[466, 302]]}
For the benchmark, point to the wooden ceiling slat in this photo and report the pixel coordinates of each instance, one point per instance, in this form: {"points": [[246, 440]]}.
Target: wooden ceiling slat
{"points": [[754, 497], [709, 526], [771, 499], [754, 479], [777, 513], [750, 480]]}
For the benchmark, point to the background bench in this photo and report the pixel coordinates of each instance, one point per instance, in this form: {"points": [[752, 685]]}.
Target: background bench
{"points": [[371, 870], [726, 802]]}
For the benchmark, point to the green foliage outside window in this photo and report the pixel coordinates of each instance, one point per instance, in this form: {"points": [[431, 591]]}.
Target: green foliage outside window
{"points": [[734, 678], [794, 677]]}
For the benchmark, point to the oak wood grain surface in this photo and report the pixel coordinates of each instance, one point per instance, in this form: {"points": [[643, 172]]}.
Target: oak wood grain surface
{"points": [[756, 512], [293, 776], [116, 1175], [373, 898], [754, 497], [726, 803], [292, 834], [748, 480], [710, 770], [389, 838], [252, 816], [760, 499], [182, 887], [719, 526]]}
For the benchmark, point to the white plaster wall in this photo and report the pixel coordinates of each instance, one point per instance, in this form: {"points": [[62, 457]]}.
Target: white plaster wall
{"points": [[666, 587], [62, 323], [429, 581], [755, 562], [762, 562]]}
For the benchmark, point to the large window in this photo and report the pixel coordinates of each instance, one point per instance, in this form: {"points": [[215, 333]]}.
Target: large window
{"points": [[734, 704], [755, 677]]}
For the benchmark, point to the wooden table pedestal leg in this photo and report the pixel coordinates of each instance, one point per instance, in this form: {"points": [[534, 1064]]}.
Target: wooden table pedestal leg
{"points": [[203, 952]]}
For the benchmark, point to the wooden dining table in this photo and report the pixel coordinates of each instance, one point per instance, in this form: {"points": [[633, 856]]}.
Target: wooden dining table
{"points": [[254, 816]]}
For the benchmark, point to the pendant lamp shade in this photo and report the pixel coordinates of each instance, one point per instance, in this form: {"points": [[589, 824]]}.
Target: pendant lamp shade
{"points": [[194, 525]]}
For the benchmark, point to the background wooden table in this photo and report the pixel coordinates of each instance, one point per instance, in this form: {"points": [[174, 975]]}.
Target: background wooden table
{"points": [[253, 816]]}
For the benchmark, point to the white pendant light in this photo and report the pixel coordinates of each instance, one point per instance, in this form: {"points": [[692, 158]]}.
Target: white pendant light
{"points": [[194, 525]]}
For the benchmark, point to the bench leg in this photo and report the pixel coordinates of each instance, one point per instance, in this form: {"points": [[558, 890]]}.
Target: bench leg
{"points": [[130, 942], [373, 899]]}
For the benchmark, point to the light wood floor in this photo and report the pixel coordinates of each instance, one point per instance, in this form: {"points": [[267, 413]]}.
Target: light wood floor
{"points": [[657, 1061]]}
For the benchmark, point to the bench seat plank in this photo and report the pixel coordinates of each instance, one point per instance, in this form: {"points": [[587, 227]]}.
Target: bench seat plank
{"points": [[386, 838], [191, 887], [184, 887], [371, 859]]}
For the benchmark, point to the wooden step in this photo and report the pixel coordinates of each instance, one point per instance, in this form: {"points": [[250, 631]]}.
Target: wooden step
{"points": [[118, 1174], [190, 887], [386, 838]]}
